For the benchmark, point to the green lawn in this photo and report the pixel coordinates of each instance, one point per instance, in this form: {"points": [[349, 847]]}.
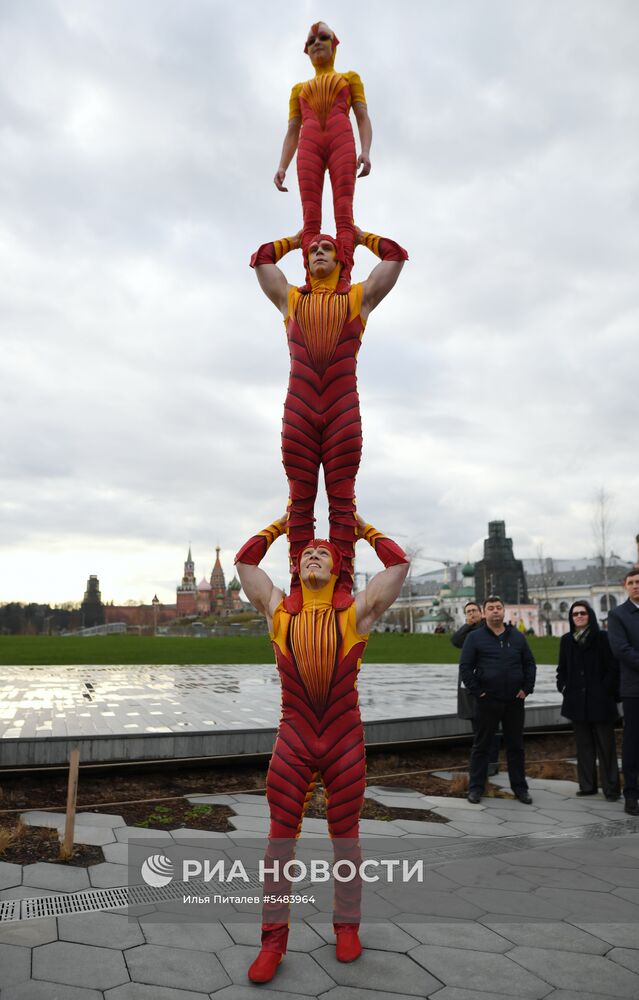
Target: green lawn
{"points": [[382, 648]]}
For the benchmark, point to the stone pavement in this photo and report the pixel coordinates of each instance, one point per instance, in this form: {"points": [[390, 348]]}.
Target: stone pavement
{"points": [[536, 901]]}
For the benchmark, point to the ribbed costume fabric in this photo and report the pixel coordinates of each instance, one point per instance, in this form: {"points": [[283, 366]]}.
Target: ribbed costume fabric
{"points": [[322, 423], [326, 141], [318, 654]]}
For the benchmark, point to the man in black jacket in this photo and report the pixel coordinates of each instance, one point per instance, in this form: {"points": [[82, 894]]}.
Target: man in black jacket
{"points": [[623, 633], [466, 702], [498, 668]]}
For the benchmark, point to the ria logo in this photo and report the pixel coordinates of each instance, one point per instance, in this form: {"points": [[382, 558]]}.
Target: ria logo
{"points": [[157, 870]]}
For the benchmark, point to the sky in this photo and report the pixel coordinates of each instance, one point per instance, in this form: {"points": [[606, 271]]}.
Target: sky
{"points": [[144, 373]]}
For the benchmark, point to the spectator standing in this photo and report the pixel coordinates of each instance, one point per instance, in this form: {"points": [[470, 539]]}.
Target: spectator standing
{"points": [[466, 702], [498, 668], [588, 678], [623, 632]]}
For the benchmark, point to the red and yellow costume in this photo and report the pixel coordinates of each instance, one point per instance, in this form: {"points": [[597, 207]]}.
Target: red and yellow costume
{"points": [[326, 142], [322, 423], [318, 654]]}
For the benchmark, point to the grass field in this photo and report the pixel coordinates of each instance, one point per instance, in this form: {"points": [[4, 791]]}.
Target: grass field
{"points": [[382, 648]]}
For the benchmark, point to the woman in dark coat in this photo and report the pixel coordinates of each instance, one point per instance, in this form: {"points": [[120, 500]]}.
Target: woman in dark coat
{"points": [[588, 678]]}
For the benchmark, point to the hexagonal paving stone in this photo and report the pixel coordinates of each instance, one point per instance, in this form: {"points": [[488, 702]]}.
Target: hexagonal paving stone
{"points": [[298, 973], [126, 833], [15, 963], [389, 972], [527, 904], [29, 933], [99, 819], [108, 930], [180, 968], [79, 965], [187, 934], [452, 993], [628, 957], [236, 992], [62, 878], [108, 876], [96, 835], [461, 934], [555, 935], [302, 937], [117, 853], [10, 875], [621, 935], [41, 990], [459, 967], [353, 993], [578, 972], [138, 991]]}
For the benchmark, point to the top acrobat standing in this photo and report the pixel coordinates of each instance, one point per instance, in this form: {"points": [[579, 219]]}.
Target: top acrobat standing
{"points": [[319, 128]]}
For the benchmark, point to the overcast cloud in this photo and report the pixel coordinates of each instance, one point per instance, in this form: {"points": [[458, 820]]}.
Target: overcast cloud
{"points": [[143, 371]]}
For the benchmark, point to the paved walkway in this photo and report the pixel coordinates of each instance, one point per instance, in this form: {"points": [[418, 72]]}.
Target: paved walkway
{"points": [[519, 901]]}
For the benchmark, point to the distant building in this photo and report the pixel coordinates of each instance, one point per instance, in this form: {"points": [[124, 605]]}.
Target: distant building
{"points": [[92, 607], [208, 596], [499, 572]]}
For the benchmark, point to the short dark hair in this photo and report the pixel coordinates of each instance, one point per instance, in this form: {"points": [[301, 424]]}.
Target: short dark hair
{"points": [[472, 604], [493, 599], [631, 572]]}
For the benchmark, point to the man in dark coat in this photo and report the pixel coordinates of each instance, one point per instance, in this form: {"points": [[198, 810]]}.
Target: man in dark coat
{"points": [[466, 702], [623, 632], [498, 668], [588, 678]]}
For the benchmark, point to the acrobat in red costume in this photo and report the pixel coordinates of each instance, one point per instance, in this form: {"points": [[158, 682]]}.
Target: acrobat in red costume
{"points": [[322, 422], [320, 129], [318, 654]]}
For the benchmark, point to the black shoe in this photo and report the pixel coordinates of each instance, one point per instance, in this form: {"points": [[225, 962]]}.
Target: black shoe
{"points": [[631, 806], [493, 769], [474, 797], [524, 797], [582, 793], [613, 798]]}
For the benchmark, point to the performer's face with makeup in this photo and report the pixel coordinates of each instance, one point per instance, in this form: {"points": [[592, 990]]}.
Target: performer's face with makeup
{"points": [[315, 566], [319, 43], [322, 258]]}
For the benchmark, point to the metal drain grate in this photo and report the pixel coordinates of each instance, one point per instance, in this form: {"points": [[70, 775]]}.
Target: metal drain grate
{"points": [[10, 909], [93, 900]]}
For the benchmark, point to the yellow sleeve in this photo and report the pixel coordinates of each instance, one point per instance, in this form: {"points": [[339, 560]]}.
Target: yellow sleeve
{"points": [[348, 628], [354, 301], [281, 622], [356, 87], [294, 102], [293, 299]]}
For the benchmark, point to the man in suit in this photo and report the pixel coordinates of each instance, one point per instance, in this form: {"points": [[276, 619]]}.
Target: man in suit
{"points": [[623, 633]]}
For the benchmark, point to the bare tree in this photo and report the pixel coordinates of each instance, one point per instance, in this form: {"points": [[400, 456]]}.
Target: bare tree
{"points": [[602, 521]]}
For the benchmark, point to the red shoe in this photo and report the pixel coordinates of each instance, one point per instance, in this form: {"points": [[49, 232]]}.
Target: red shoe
{"points": [[265, 966], [348, 946]]}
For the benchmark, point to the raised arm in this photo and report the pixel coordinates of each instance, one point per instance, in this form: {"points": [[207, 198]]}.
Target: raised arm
{"points": [[273, 281], [365, 130], [256, 584], [383, 277], [289, 146], [385, 587]]}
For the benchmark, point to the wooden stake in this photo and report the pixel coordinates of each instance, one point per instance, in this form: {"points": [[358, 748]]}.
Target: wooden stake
{"points": [[66, 850]]}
